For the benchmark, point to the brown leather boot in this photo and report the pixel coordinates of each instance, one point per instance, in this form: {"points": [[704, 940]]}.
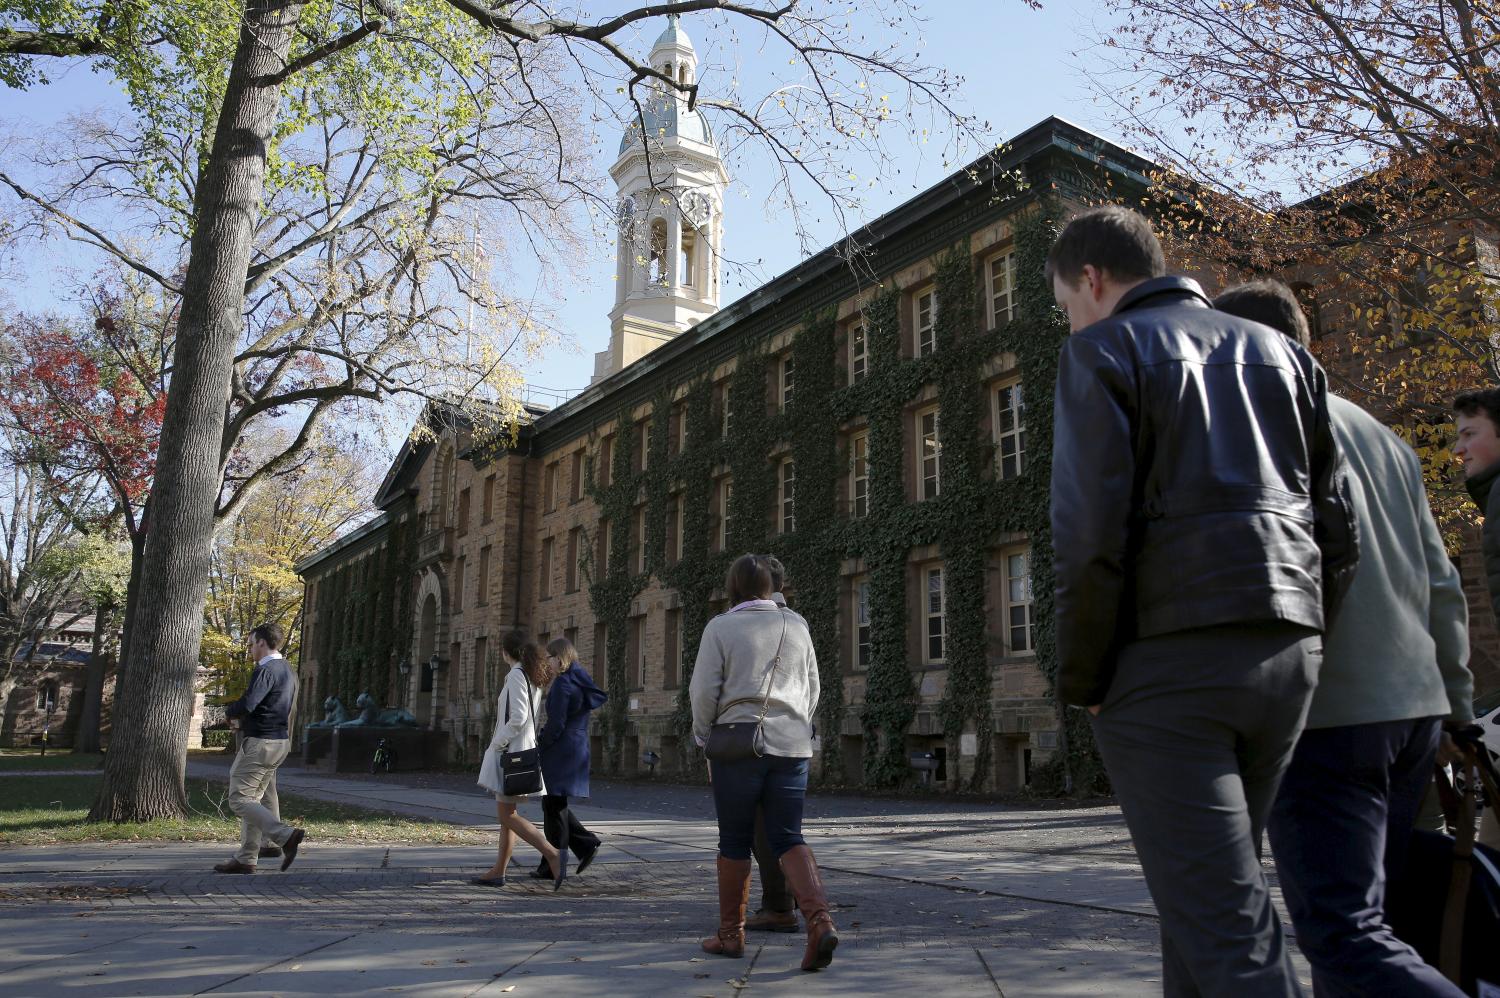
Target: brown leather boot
{"points": [[771, 920], [802, 876], [734, 895]]}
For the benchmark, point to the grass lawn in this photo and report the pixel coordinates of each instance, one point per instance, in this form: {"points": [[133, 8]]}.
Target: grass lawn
{"points": [[39, 810], [28, 760]]}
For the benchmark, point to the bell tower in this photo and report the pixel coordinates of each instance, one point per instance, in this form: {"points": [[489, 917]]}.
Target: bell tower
{"points": [[670, 213]]}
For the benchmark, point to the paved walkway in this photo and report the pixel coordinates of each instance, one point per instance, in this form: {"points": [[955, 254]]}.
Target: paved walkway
{"points": [[979, 901]]}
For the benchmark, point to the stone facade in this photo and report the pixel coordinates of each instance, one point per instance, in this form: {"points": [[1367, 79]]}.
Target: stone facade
{"points": [[508, 533]]}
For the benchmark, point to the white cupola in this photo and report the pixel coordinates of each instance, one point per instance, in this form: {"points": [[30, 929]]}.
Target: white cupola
{"points": [[671, 184]]}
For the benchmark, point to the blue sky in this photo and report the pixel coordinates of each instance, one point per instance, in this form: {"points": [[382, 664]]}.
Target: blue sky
{"points": [[1019, 66]]}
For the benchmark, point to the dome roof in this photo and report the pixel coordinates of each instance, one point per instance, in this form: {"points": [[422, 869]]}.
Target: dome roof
{"points": [[668, 118], [672, 35]]}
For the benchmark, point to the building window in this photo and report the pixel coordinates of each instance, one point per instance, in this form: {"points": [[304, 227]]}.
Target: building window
{"points": [[489, 497], [929, 454], [679, 429], [605, 464], [784, 392], [935, 610], [726, 493], [656, 266], [672, 651], [1010, 430], [575, 474], [724, 411], [638, 541], [926, 322], [861, 623], [544, 589], [482, 594], [1307, 297], [1002, 280], [575, 546], [549, 488], [605, 537], [458, 584], [689, 256], [635, 657], [1018, 601], [601, 649], [673, 552], [46, 696], [859, 475], [642, 442], [463, 512], [859, 358], [788, 476]]}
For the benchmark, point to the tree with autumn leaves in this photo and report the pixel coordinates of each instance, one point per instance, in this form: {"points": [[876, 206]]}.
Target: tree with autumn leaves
{"points": [[1351, 149], [324, 163]]}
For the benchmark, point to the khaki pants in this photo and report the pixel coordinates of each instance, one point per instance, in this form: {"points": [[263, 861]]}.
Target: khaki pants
{"points": [[252, 795]]}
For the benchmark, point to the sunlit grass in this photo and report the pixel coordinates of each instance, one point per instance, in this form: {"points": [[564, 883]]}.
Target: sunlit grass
{"points": [[41, 810]]}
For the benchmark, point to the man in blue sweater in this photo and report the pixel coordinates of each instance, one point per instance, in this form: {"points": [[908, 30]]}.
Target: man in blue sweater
{"points": [[263, 713], [1394, 671]]}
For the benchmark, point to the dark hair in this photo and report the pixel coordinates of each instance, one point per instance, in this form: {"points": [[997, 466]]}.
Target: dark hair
{"points": [[749, 578], [777, 570], [562, 649], [1269, 302], [1481, 402], [514, 642], [270, 633], [534, 664], [1114, 239]]}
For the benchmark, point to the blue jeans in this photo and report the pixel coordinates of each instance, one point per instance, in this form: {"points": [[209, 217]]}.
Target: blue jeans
{"points": [[774, 783], [1339, 832]]}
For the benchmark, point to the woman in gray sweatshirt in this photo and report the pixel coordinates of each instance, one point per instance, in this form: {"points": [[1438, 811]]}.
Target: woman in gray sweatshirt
{"points": [[759, 658]]}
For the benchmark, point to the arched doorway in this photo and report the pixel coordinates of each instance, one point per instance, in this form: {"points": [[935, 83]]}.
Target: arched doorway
{"points": [[427, 638]]}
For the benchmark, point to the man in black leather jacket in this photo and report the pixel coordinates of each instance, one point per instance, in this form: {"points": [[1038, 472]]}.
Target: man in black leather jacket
{"points": [[1202, 536]]}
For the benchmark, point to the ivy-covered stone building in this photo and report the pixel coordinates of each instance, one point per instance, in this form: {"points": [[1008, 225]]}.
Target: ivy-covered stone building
{"points": [[864, 416], [878, 417]]}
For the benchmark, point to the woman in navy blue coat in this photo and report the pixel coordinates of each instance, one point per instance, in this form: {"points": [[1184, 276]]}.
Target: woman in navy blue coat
{"points": [[564, 743]]}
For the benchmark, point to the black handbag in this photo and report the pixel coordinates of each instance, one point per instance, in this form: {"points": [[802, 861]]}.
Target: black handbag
{"points": [[740, 740], [523, 769]]}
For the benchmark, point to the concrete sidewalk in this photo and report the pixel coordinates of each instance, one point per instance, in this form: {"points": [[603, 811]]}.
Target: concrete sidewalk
{"points": [[982, 902]]}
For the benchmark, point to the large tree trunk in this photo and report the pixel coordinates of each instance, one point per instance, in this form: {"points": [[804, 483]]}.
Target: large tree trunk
{"points": [[143, 777], [87, 739], [132, 594]]}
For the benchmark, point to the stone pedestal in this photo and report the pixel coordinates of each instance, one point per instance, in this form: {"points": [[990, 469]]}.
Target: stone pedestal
{"points": [[349, 750]]}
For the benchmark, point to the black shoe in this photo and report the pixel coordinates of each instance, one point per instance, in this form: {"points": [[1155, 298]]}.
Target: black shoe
{"points": [[585, 858], [562, 870], [233, 866], [270, 852], [289, 847], [543, 872], [488, 881]]}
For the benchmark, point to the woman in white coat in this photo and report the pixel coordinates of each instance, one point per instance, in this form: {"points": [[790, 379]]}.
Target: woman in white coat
{"points": [[515, 731]]}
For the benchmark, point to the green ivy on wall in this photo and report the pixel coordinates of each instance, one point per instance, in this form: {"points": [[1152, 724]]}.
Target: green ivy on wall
{"points": [[965, 521]]}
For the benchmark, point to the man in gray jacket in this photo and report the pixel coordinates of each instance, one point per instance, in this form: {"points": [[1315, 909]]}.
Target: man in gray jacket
{"points": [[1394, 668]]}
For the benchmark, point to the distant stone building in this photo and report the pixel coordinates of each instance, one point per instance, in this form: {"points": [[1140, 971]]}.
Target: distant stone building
{"points": [[876, 419], [49, 696]]}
